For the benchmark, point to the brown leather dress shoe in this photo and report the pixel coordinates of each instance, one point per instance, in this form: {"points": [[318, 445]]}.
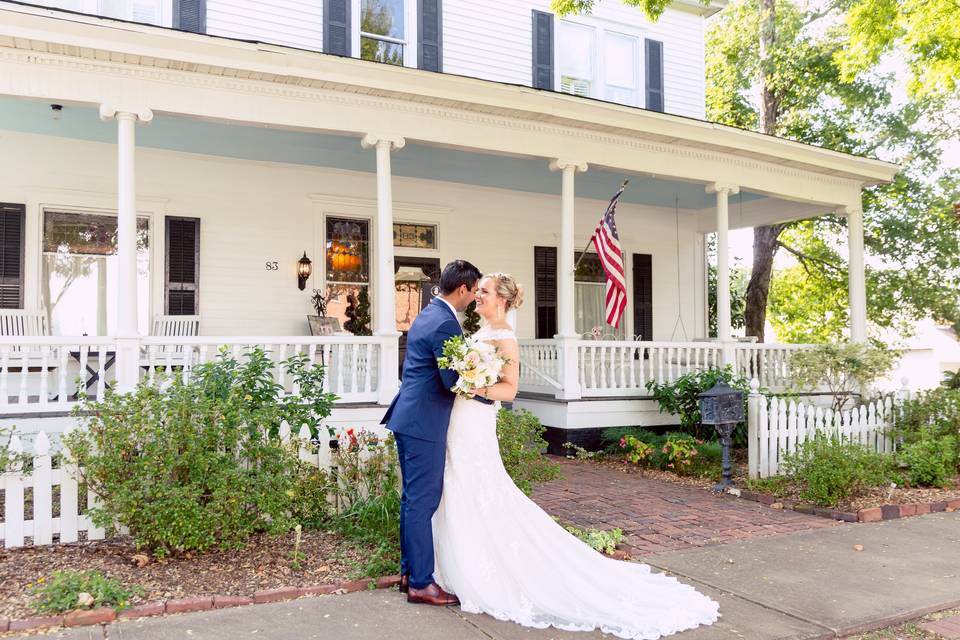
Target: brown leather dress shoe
{"points": [[432, 594], [404, 585]]}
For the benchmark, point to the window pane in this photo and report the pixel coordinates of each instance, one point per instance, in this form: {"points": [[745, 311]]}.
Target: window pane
{"points": [[80, 273], [620, 61], [589, 303], [621, 95], [343, 303], [348, 250], [380, 51], [382, 17], [576, 47]]}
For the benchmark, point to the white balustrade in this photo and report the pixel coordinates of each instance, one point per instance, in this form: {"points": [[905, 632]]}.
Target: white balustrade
{"points": [[46, 374], [768, 363], [350, 362], [540, 370], [623, 368]]}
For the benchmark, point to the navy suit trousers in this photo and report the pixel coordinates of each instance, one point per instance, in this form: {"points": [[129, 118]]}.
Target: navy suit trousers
{"points": [[421, 463]]}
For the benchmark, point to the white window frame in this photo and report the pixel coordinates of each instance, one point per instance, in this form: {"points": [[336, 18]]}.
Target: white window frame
{"points": [[409, 42], [600, 27], [92, 7]]}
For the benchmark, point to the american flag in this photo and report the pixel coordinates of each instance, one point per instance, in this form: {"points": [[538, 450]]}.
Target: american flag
{"points": [[607, 241]]}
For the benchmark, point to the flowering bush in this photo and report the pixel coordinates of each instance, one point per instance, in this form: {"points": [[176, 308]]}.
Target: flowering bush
{"points": [[676, 452], [66, 590], [637, 451]]}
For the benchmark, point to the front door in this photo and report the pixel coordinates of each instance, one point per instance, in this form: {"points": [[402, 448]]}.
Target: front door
{"points": [[417, 282]]}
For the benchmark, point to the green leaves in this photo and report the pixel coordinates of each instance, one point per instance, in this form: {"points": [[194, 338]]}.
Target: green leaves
{"points": [[67, 590], [520, 435]]}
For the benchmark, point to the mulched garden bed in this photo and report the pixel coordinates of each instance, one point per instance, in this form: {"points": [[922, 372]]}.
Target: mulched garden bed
{"points": [[265, 563]]}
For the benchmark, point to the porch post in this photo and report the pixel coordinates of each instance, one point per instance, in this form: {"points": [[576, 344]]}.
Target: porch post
{"points": [[385, 320], [566, 325], [127, 332], [856, 278], [724, 334]]}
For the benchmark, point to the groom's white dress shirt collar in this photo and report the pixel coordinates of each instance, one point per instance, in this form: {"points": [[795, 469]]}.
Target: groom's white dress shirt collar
{"points": [[444, 301]]}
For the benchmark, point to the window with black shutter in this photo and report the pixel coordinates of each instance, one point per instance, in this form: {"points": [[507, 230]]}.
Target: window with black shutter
{"points": [[654, 76], [430, 35], [190, 15], [11, 255], [545, 290], [336, 27], [643, 296], [542, 50], [183, 266]]}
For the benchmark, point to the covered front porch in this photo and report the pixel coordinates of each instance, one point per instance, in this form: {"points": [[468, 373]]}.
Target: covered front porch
{"points": [[252, 155]]}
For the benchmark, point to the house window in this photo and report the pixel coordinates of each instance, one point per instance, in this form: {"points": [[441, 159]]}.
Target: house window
{"points": [[383, 30], [146, 11], [590, 295], [598, 62], [80, 279], [577, 64], [347, 269]]}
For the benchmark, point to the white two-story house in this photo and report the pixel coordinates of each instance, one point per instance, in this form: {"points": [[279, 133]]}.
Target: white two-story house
{"points": [[180, 175]]}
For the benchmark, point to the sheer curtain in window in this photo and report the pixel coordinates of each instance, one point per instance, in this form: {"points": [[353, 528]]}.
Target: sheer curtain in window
{"points": [[589, 301]]}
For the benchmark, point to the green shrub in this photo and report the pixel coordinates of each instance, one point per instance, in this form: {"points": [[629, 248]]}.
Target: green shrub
{"points": [[933, 414], [61, 592], [602, 541], [197, 464], [680, 453], [845, 369], [931, 461], [830, 470], [8, 459], [521, 442], [682, 398]]}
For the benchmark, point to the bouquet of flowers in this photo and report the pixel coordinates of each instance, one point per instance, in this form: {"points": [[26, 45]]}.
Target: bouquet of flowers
{"points": [[477, 362]]}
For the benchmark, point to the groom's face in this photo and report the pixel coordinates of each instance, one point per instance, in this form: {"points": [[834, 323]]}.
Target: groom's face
{"points": [[464, 296]]}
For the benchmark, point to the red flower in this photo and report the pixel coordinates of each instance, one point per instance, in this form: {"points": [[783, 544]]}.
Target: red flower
{"points": [[349, 432]]}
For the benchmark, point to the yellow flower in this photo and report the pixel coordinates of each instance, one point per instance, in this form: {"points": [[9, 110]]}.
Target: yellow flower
{"points": [[248, 397]]}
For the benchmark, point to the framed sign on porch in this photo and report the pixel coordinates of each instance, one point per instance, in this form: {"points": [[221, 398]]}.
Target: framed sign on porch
{"points": [[324, 326]]}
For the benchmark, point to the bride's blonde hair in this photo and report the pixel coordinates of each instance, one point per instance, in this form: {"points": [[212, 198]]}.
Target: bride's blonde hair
{"points": [[508, 289]]}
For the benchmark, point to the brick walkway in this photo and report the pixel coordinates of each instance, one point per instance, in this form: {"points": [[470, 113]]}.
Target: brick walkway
{"points": [[660, 516]]}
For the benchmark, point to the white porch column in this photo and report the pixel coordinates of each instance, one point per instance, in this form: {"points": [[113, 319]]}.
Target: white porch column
{"points": [[566, 314], [856, 278], [384, 319], [127, 332], [724, 333]]}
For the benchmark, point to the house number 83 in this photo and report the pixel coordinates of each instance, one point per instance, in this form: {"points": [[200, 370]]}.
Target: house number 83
{"points": [[272, 265]]}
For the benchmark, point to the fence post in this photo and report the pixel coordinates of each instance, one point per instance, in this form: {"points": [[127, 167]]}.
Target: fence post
{"points": [[69, 494], [13, 500], [754, 401], [42, 491], [569, 351]]}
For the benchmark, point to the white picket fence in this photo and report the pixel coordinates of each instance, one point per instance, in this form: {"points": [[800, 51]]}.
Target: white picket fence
{"points": [[778, 426], [28, 500]]}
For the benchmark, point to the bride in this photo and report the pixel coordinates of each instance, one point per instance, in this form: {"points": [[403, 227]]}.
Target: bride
{"points": [[504, 556]]}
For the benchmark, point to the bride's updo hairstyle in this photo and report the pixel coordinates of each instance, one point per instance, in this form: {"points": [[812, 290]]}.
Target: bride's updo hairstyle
{"points": [[508, 289]]}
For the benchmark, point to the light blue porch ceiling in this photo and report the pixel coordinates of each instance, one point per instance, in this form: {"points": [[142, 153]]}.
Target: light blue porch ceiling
{"points": [[177, 133]]}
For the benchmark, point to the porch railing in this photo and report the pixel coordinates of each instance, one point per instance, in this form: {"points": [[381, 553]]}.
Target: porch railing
{"points": [[350, 361], [614, 368], [45, 374]]}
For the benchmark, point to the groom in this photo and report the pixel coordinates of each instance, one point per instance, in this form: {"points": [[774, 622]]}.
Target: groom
{"points": [[419, 417]]}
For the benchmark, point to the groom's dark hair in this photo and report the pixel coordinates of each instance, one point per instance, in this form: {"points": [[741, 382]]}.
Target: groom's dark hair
{"points": [[457, 274]]}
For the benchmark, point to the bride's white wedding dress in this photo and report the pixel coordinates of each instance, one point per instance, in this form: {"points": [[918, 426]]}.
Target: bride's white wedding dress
{"points": [[504, 556]]}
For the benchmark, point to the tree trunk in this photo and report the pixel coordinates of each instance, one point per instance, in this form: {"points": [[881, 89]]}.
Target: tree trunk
{"points": [[764, 249], [765, 237]]}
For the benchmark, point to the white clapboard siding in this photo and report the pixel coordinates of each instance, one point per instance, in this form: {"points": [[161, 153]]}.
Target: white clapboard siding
{"points": [[778, 426], [43, 528]]}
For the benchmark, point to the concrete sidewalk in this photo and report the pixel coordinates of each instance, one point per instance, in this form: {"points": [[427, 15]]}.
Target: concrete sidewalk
{"points": [[811, 584]]}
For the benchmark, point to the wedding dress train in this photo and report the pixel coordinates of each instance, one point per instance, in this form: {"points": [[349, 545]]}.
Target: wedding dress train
{"points": [[502, 555]]}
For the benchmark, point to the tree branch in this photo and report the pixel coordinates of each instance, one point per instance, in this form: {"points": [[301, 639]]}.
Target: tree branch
{"points": [[805, 258]]}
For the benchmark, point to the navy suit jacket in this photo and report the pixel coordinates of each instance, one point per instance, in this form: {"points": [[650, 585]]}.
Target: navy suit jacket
{"points": [[422, 407]]}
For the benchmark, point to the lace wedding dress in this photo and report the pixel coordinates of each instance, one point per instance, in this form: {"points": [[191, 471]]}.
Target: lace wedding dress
{"points": [[504, 556]]}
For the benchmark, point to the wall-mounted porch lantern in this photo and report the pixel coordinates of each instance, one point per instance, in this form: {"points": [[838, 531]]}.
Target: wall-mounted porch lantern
{"points": [[722, 407], [304, 269]]}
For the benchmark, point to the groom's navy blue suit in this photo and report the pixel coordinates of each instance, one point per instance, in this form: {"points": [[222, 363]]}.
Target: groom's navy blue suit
{"points": [[419, 417]]}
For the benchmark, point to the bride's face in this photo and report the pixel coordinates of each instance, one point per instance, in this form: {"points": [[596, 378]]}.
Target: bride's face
{"points": [[489, 304]]}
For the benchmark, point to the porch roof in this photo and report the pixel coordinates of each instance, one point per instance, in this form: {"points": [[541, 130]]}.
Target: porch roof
{"points": [[618, 137]]}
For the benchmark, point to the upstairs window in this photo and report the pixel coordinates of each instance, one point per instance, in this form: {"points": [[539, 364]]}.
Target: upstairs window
{"points": [[383, 30], [599, 62], [145, 11]]}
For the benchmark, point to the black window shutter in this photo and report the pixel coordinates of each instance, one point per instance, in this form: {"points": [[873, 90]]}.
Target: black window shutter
{"points": [[643, 296], [190, 15], [545, 291], [542, 50], [11, 255], [654, 75], [183, 266], [336, 27], [430, 35]]}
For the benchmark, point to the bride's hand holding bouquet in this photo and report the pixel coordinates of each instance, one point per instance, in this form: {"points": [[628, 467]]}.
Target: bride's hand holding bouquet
{"points": [[479, 364]]}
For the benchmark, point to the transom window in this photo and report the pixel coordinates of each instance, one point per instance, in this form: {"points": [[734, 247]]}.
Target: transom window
{"points": [[383, 30], [598, 62]]}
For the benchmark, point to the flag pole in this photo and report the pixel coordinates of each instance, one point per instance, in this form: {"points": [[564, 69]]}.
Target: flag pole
{"points": [[583, 253]]}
